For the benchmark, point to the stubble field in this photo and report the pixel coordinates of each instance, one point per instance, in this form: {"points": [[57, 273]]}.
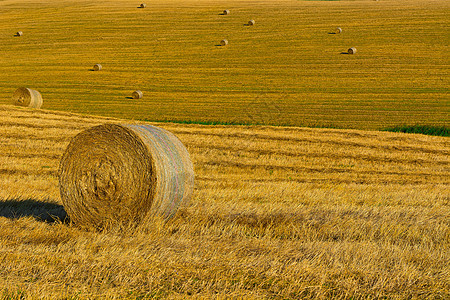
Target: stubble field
{"points": [[277, 212], [287, 69]]}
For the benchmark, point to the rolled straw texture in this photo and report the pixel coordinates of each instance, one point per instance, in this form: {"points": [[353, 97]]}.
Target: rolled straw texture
{"points": [[97, 67], [124, 174], [352, 50], [224, 42], [338, 30], [137, 94], [251, 22], [19, 33], [27, 97], [226, 12], [143, 5]]}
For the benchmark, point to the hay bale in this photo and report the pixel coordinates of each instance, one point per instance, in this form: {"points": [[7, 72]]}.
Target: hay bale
{"points": [[352, 50], [137, 94], [27, 97], [19, 33], [224, 42], [143, 5], [226, 12], [338, 30], [97, 67], [124, 174], [251, 23]]}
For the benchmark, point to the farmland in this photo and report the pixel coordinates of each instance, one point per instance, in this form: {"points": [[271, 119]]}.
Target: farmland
{"points": [[287, 69], [280, 210], [276, 213]]}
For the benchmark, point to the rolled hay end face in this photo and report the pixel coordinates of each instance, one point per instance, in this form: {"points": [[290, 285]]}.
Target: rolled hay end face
{"points": [[224, 42], [27, 97], [226, 12], [124, 174], [19, 33], [143, 5], [97, 67], [137, 94], [251, 23], [352, 50], [338, 30]]}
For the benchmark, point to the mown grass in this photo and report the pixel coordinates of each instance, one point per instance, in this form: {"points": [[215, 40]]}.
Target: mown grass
{"points": [[422, 129], [285, 70]]}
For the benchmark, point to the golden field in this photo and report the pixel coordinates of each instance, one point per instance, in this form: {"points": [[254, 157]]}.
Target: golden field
{"points": [[278, 212], [281, 213], [285, 70]]}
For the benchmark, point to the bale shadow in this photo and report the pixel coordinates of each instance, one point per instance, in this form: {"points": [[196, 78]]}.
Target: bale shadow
{"points": [[40, 210], [331, 32], [344, 53], [129, 97]]}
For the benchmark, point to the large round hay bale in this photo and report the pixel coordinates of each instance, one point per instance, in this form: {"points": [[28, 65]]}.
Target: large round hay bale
{"points": [[224, 42], [338, 30], [226, 12], [137, 94], [352, 50], [251, 23], [143, 5], [124, 174], [19, 33], [97, 67], [27, 97]]}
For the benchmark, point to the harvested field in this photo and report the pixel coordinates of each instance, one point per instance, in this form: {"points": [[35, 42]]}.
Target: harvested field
{"points": [[276, 213], [287, 70]]}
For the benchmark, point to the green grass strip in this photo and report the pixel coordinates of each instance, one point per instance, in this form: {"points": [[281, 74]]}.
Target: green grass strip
{"points": [[421, 129]]}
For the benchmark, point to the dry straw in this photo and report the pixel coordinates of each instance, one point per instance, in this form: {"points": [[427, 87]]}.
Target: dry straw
{"points": [[338, 30], [124, 174], [352, 50], [224, 42], [97, 67], [251, 23], [143, 5], [27, 97], [226, 12], [137, 94], [19, 33]]}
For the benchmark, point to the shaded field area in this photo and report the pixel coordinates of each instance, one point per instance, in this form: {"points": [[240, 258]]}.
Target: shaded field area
{"points": [[277, 212], [287, 69]]}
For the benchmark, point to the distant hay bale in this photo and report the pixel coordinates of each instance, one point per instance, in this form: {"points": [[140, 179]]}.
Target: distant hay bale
{"points": [[143, 5], [224, 42], [137, 94], [226, 12], [338, 30], [19, 33], [124, 174], [97, 67], [251, 23], [352, 50], [27, 97]]}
